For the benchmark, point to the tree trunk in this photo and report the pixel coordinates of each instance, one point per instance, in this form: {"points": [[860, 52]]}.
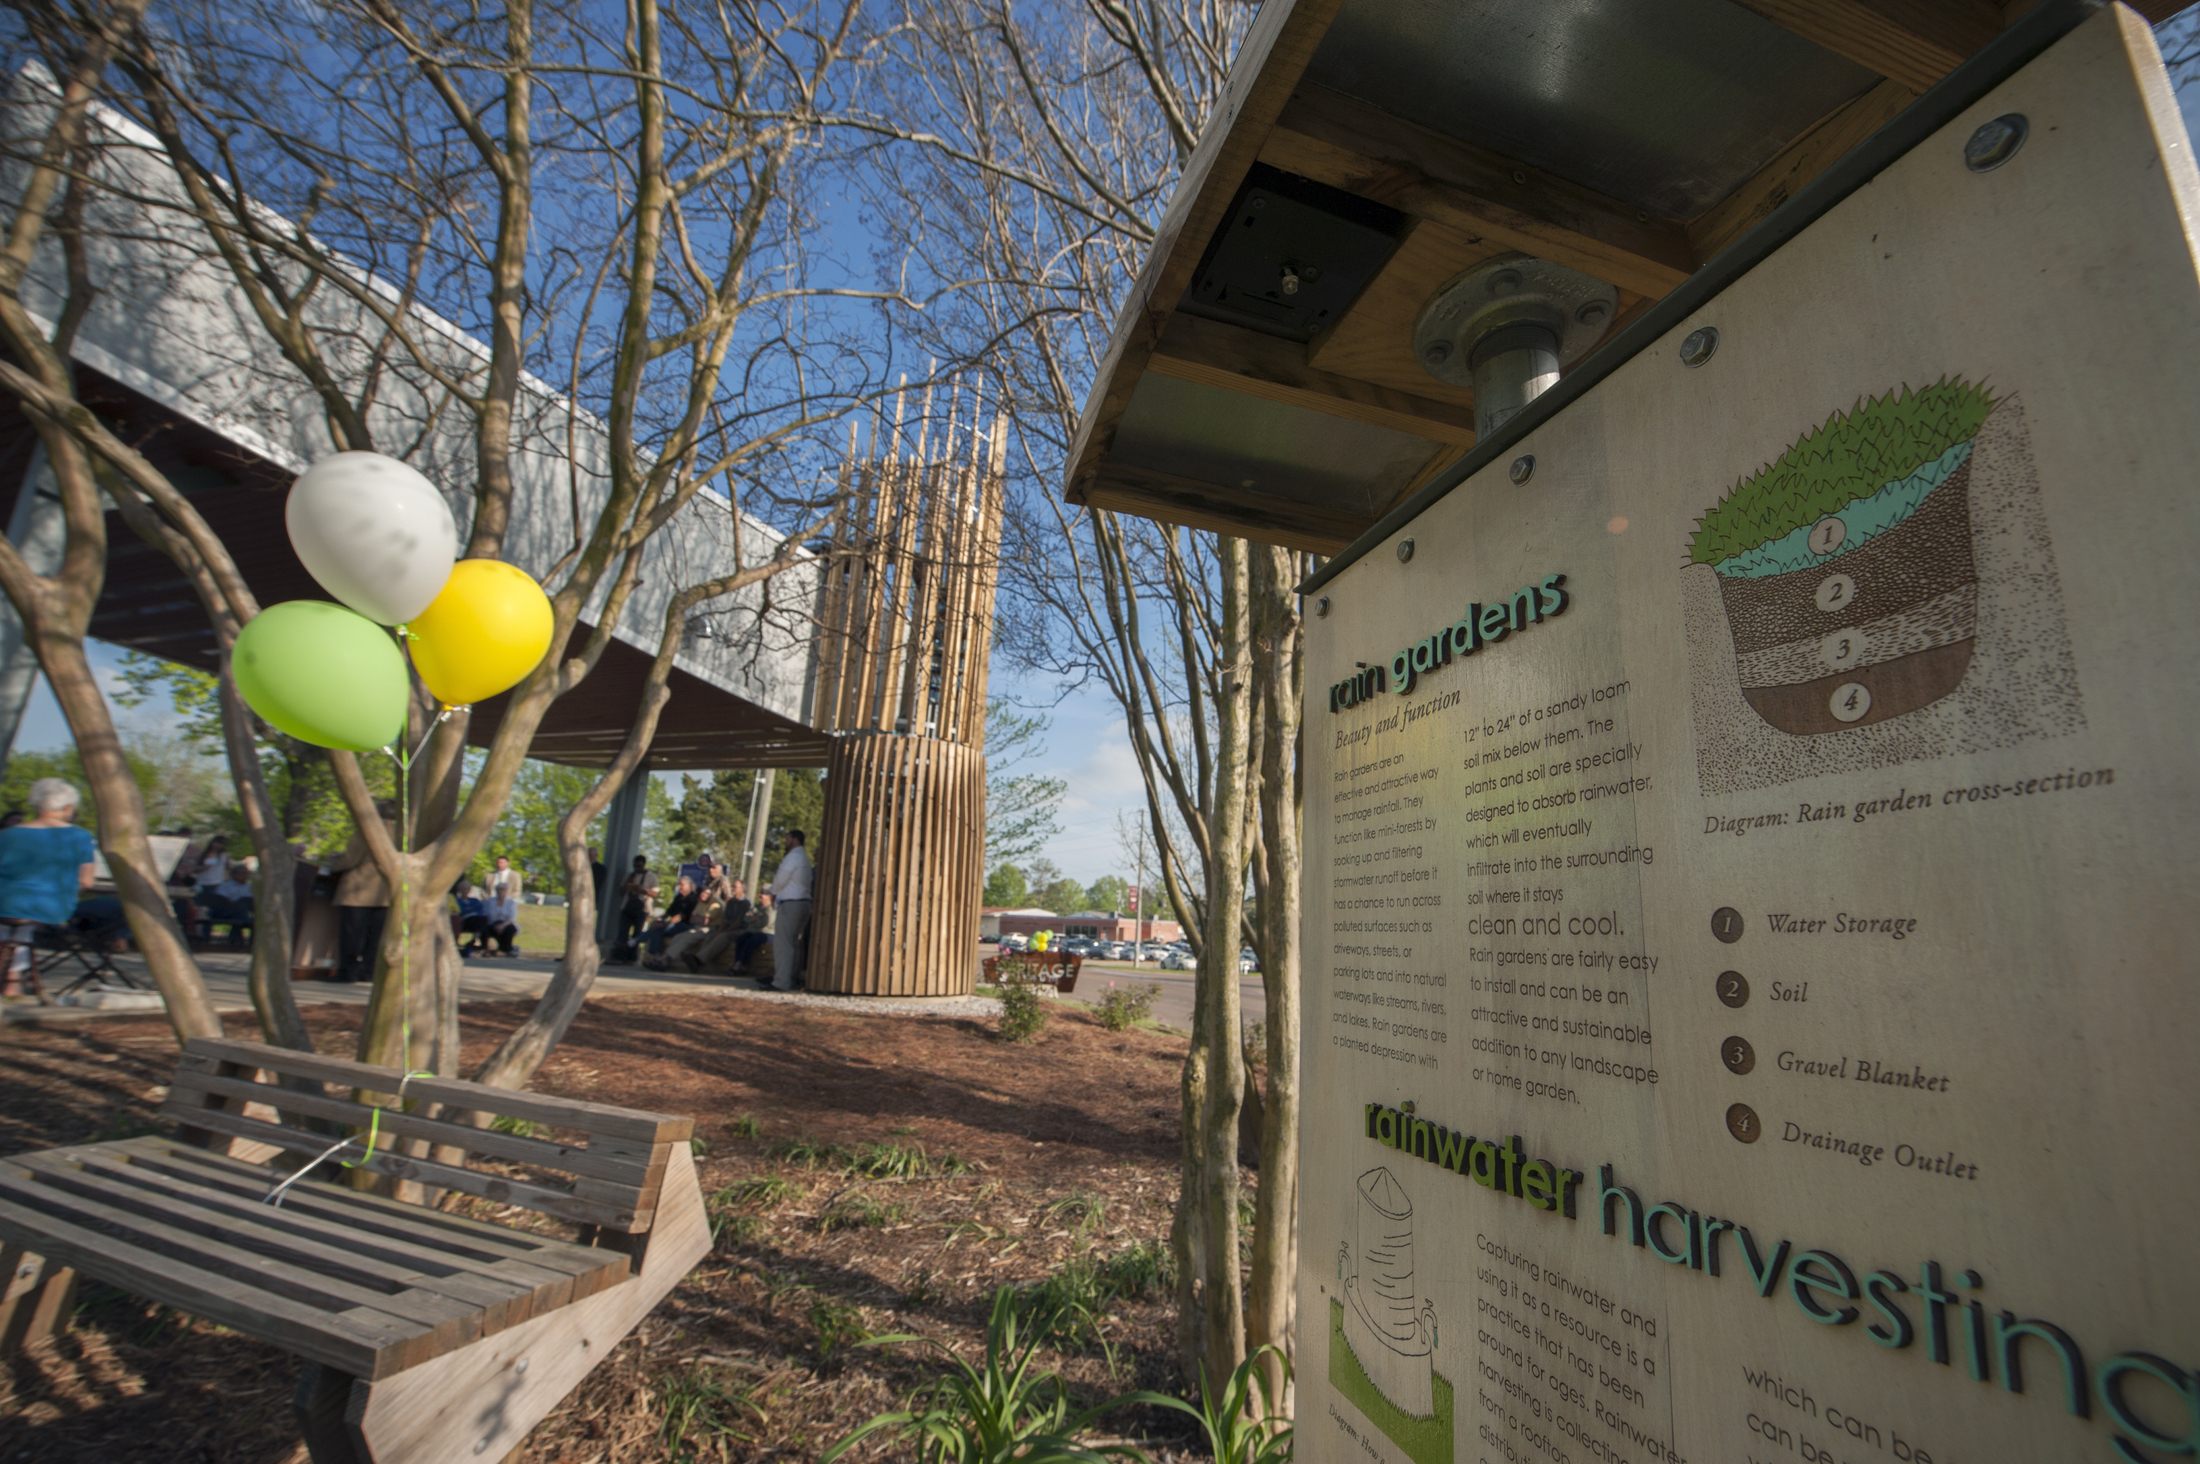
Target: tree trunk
{"points": [[1271, 1306], [274, 893], [1214, 1073], [139, 881]]}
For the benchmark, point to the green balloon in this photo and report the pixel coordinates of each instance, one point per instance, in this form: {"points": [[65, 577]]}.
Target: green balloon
{"points": [[324, 674]]}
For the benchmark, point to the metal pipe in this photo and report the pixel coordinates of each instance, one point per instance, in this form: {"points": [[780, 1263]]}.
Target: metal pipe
{"points": [[1513, 365]]}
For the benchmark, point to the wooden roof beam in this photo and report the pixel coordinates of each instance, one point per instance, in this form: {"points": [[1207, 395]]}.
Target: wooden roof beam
{"points": [[1356, 146], [1914, 42], [1804, 159], [1246, 361], [1172, 498]]}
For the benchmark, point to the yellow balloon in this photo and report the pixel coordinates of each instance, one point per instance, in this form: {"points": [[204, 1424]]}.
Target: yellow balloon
{"points": [[488, 628]]}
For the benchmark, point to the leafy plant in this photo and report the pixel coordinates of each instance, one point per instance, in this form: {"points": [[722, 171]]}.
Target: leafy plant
{"points": [[1001, 1411], [760, 1193], [900, 1161], [807, 1150], [1023, 1015], [1124, 1007], [860, 1212], [725, 1225], [697, 1404], [837, 1327], [747, 1126], [1081, 1208], [920, 1288], [1240, 1426], [526, 1128], [1066, 1308], [1852, 455]]}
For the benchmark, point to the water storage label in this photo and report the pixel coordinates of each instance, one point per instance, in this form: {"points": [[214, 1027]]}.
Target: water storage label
{"points": [[1750, 1003]]}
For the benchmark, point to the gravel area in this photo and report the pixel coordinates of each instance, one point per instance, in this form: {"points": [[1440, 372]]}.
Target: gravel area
{"points": [[907, 1006]]}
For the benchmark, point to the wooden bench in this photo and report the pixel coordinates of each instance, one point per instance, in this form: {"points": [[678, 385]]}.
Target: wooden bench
{"points": [[427, 1337], [1021, 968]]}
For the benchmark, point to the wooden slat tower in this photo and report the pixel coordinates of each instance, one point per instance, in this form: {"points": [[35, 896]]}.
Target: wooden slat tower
{"points": [[905, 627]]}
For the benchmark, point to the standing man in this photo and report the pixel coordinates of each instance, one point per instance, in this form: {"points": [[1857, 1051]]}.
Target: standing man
{"points": [[362, 901], [791, 895], [596, 872], [504, 881]]}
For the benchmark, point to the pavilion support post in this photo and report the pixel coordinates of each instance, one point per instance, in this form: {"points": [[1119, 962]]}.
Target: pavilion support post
{"points": [[622, 840], [759, 830], [36, 529]]}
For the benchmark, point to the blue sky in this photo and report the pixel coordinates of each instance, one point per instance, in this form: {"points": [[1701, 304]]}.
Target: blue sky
{"points": [[1086, 746]]}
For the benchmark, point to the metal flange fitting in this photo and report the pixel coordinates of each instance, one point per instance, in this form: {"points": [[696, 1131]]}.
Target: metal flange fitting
{"points": [[1505, 327]]}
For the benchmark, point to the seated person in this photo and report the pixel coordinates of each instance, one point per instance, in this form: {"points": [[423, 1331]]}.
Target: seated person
{"points": [[710, 912], [679, 916], [467, 897], [229, 903], [722, 910], [499, 923], [756, 932], [45, 863]]}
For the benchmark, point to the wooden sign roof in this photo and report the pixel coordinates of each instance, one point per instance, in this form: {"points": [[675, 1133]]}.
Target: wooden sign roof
{"points": [[1261, 379]]}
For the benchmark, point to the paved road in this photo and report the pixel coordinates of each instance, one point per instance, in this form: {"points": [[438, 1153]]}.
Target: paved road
{"points": [[1174, 1005]]}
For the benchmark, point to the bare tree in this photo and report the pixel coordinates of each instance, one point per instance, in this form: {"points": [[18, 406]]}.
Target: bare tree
{"points": [[1038, 149], [624, 210]]}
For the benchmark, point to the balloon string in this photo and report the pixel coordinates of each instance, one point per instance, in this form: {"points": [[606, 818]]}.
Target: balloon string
{"points": [[404, 759]]}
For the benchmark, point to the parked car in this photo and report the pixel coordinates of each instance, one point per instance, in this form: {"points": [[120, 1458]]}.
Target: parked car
{"points": [[1179, 961], [1015, 942], [1248, 963], [989, 940]]}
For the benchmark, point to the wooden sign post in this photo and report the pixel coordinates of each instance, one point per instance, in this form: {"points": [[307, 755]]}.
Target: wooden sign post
{"points": [[1751, 840]]}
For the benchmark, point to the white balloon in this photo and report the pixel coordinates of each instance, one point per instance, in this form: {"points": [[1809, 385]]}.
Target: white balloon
{"points": [[376, 534]]}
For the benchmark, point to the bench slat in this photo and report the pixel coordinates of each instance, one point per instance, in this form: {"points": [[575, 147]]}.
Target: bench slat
{"points": [[515, 1148], [443, 1322], [594, 1118], [497, 1300], [492, 1187], [485, 1248], [364, 1347]]}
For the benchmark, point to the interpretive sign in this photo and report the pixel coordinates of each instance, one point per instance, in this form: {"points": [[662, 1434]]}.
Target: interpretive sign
{"points": [[1752, 994]]}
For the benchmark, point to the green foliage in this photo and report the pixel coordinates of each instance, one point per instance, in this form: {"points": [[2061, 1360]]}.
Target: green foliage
{"points": [[760, 1193], [1066, 1308], [861, 1211], [1063, 897], [837, 1327], [806, 1150], [1001, 1411], [1244, 1425], [901, 1161], [715, 816], [1020, 808], [526, 831], [1124, 1007], [526, 1128], [698, 1405], [1023, 1014], [1005, 887], [1079, 1208], [1852, 455], [1109, 892], [747, 1126], [194, 694]]}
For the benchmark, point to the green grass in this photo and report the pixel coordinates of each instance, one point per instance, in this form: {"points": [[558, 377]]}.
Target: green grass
{"points": [[526, 1128], [809, 1151], [1852, 455], [900, 1161], [1424, 1440], [1068, 1305], [747, 1126], [861, 1212], [696, 1406]]}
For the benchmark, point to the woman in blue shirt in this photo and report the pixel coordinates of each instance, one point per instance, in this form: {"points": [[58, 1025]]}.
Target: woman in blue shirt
{"points": [[45, 864]]}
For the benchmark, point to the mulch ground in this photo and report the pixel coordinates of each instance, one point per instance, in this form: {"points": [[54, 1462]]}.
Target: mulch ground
{"points": [[1043, 1160]]}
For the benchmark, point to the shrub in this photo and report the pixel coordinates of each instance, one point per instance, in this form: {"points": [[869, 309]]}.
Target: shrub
{"points": [[1023, 1014], [696, 1405], [1124, 1007], [900, 1161], [998, 1411], [1852, 455], [837, 1327]]}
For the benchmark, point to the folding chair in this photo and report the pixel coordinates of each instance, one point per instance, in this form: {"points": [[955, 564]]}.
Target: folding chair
{"points": [[89, 943]]}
